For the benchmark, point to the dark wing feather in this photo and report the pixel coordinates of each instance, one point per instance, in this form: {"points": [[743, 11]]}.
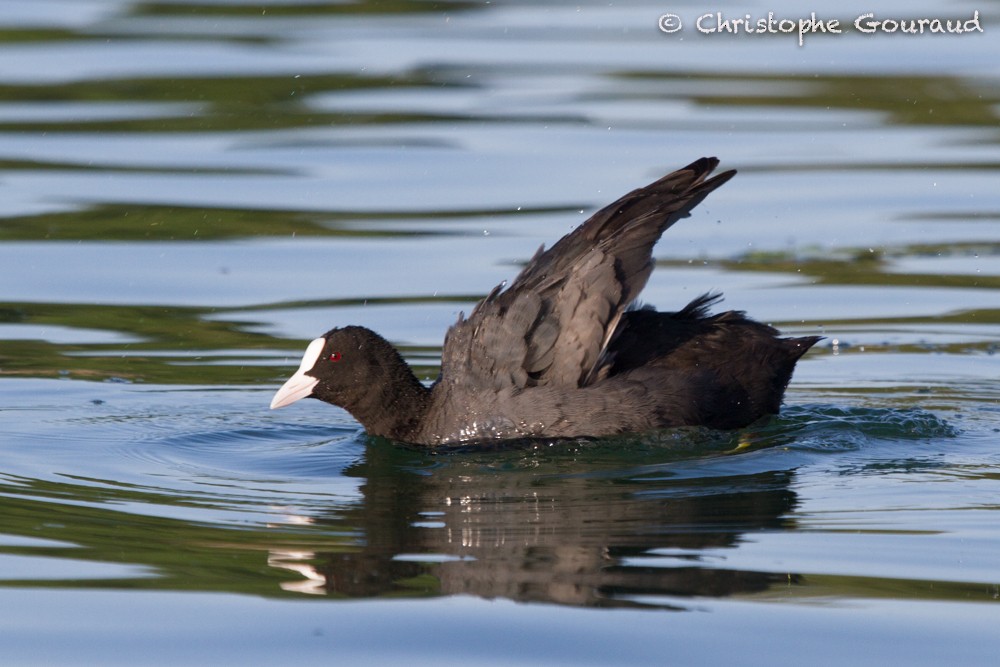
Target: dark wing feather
{"points": [[551, 326]]}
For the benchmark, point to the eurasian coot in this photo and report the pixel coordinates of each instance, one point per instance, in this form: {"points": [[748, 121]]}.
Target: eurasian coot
{"points": [[563, 351]]}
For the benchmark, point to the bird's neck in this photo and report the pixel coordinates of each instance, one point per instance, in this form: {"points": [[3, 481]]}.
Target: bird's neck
{"points": [[396, 401]]}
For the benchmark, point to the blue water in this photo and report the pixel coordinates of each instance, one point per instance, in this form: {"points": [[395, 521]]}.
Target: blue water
{"points": [[192, 191]]}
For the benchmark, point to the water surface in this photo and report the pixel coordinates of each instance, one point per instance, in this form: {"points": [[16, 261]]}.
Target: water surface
{"points": [[193, 190]]}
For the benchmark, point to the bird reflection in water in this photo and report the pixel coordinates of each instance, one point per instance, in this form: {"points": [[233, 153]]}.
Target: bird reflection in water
{"points": [[564, 529]]}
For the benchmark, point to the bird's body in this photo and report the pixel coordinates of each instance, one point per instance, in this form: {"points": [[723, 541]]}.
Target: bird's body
{"points": [[562, 351]]}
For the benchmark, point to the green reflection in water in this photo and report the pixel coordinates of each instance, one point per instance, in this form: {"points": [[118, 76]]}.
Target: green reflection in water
{"points": [[868, 267], [179, 555], [230, 103], [180, 344], [177, 345], [133, 222], [587, 527], [903, 99], [358, 7]]}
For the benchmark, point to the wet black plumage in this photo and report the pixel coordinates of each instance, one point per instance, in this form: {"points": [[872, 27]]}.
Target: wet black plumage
{"points": [[563, 352]]}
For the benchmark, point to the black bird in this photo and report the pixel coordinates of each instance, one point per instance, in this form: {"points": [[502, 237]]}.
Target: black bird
{"points": [[563, 351]]}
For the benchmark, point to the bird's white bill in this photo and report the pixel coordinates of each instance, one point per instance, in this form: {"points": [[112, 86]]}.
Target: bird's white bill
{"points": [[300, 385]]}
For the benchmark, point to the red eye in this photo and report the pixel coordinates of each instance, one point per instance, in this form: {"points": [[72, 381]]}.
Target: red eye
{"points": [[335, 356]]}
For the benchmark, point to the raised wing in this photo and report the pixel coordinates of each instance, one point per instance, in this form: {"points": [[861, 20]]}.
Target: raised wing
{"points": [[552, 324]]}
